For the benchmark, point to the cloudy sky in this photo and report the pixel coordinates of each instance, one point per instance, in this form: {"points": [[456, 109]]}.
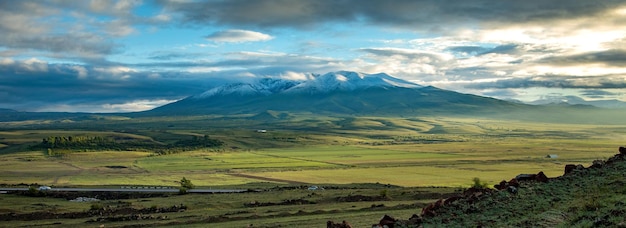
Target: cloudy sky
{"points": [[132, 55]]}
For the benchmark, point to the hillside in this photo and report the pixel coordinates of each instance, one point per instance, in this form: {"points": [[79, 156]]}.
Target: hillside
{"points": [[341, 92], [583, 197]]}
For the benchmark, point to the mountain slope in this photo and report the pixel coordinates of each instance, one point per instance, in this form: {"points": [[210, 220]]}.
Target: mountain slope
{"points": [[334, 93]]}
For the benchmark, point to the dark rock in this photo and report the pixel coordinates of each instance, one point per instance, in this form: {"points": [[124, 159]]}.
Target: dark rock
{"points": [[541, 177], [387, 221], [569, 168], [597, 164], [513, 182], [525, 177], [502, 185], [343, 224]]}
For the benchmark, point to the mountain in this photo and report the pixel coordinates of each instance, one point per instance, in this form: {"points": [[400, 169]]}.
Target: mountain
{"points": [[340, 92], [574, 100]]}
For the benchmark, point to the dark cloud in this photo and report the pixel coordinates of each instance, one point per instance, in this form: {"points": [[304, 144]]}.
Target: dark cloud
{"points": [[250, 61], [33, 85], [503, 49], [433, 14], [270, 13], [573, 82], [615, 57], [480, 50], [598, 94], [468, 50]]}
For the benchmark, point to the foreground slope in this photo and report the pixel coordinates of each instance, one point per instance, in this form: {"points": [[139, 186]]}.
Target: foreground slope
{"points": [[582, 197]]}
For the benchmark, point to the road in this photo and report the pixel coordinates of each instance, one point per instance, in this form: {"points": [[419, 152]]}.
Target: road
{"points": [[146, 189]]}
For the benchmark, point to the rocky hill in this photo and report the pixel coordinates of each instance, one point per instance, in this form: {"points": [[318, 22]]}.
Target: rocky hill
{"points": [[593, 196]]}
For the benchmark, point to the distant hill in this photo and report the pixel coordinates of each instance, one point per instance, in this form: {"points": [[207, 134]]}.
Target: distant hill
{"points": [[574, 100], [347, 93]]}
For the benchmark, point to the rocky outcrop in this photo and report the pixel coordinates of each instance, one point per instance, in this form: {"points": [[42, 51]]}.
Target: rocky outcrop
{"points": [[343, 224], [474, 194]]}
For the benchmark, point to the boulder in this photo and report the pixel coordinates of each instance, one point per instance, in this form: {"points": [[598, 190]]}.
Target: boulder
{"points": [[525, 177], [569, 168], [502, 185], [387, 221], [512, 189], [513, 182], [541, 177], [343, 224], [597, 164]]}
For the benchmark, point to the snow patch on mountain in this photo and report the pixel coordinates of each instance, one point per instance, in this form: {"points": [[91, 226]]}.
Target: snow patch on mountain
{"points": [[264, 86], [329, 82]]}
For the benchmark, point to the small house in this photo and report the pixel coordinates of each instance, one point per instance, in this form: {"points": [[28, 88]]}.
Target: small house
{"points": [[552, 156]]}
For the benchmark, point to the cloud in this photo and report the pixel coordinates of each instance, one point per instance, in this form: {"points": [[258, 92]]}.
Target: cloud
{"points": [[613, 57], [430, 15], [598, 94], [36, 85], [556, 81], [238, 36], [270, 13], [83, 30]]}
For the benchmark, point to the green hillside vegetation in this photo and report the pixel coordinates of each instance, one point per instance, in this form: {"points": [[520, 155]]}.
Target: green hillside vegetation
{"points": [[591, 197], [59, 145]]}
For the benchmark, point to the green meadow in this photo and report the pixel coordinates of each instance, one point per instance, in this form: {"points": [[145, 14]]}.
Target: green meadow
{"points": [[370, 166], [398, 151]]}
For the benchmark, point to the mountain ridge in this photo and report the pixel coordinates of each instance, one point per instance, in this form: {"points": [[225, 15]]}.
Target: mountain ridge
{"points": [[341, 92], [313, 83]]}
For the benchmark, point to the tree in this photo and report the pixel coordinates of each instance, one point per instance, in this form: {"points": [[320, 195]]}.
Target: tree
{"points": [[186, 183]]}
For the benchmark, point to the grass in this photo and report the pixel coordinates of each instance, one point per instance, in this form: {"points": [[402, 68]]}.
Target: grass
{"points": [[587, 198], [399, 151], [350, 152]]}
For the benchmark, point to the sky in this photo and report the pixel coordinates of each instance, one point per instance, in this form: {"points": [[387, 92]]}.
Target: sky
{"points": [[134, 55]]}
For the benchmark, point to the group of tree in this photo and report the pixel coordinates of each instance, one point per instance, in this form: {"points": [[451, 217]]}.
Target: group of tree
{"points": [[58, 145]]}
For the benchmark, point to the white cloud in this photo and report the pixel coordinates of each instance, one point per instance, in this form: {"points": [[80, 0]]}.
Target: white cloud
{"points": [[35, 65], [133, 106], [290, 75], [238, 36], [81, 71]]}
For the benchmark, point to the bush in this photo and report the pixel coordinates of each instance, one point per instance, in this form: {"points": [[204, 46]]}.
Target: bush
{"points": [[186, 183], [479, 184]]}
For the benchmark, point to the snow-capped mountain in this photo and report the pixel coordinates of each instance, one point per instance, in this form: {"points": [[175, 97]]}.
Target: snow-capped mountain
{"points": [[265, 86], [330, 82], [347, 81], [340, 92]]}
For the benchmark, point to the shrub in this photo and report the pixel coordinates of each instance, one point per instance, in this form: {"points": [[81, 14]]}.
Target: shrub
{"points": [[479, 184]]}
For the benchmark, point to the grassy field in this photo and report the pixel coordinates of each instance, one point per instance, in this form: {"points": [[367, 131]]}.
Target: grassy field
{"points": [[403, 155], [404, 152]]}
